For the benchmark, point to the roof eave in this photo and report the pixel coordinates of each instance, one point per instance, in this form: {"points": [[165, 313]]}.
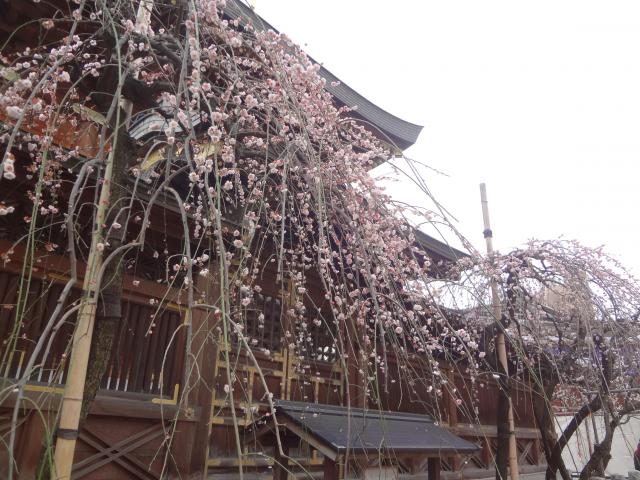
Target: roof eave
{"points": [[397, 132]]}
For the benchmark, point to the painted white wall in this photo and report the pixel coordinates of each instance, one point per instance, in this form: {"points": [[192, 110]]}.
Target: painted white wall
{"points": [[625, 441]]}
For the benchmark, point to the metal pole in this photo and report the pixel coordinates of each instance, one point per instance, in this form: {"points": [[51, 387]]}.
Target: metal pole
{"points": [[500, 339]]}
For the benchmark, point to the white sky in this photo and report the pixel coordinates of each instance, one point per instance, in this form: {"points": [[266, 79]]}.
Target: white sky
{"points": [[540, 100]]}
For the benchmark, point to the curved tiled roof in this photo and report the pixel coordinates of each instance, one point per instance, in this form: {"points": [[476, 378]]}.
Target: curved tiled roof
{"points": [[402, 133]]}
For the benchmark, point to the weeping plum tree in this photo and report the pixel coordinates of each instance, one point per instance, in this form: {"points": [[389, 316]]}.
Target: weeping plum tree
{"points": [[187, 106], [571, 315], [244, 142]]}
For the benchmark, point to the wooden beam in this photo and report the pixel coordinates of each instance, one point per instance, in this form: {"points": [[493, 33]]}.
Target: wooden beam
{"points": [[452, 411], [304, 435], [536, 450], [473, 430], [331, 469], [204, 351], [119, 453], [107, 403], [486, 451], [281, 463], [433, 468]]}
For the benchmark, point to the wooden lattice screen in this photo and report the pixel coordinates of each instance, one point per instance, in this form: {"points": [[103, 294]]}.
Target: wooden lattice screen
{"points": [[263, 323], [319, 341], [148, 353], [137, 359]]}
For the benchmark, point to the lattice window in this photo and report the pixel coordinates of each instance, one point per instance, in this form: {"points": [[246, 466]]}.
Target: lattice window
{"points": [[263, 323], [318, 340]]}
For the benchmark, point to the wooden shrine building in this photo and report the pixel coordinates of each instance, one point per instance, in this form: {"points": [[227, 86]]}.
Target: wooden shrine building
{"points": [[148, 422]]}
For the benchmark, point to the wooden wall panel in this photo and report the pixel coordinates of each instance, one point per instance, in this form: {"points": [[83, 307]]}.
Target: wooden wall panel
{"points": [[140, 347]]}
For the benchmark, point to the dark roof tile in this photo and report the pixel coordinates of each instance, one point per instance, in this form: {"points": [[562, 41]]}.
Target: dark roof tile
{"points": [[402, 133], [372, 430]]}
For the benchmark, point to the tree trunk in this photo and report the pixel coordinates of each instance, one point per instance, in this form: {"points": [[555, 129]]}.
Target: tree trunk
{"points": [[106, 324], [109, 312], [109, 304], [599, 459], [588, 409], [546, 425]]}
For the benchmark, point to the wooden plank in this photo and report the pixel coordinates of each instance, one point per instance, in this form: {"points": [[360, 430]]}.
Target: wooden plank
{"points": [[180, 342], [330, 470], [136, 361], [54, 295], [486, 451], [204, 351], [30, 447], [128, 407], [8, 312], [525, 456], [139, 327], [536, 451], [111, 374], [472, 430], [39, 319], [17, 359], [164, 325], [148, 366], [117, 453], [170, 366], [118, 355]]}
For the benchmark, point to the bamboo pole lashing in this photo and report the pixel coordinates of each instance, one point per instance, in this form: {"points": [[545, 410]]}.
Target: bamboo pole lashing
{"points": [[500, 337]]}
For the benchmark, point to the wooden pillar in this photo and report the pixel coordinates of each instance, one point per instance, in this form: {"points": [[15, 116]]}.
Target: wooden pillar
{"points": [[452, 411], [356, 381], [331, 469], [356, 366], [433, 468], [281, 463], [452, 407], [191, 444], [486, 452], [288, 296]]}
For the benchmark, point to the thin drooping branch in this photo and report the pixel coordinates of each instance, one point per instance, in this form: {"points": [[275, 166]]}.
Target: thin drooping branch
{"points": [[269, 177]]}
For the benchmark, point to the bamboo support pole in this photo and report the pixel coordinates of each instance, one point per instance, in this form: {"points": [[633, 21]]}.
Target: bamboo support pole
{"points": [[67, 432], [500, 338]]}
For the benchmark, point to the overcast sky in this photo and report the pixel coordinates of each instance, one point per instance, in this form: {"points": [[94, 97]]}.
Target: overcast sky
{"points": [[540, 100]]}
